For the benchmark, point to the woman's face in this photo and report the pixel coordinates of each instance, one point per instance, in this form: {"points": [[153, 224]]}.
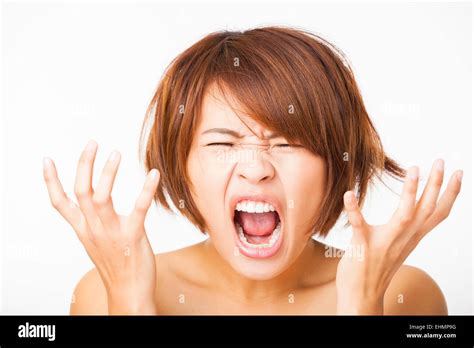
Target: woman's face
{"points": [[226, 177]]}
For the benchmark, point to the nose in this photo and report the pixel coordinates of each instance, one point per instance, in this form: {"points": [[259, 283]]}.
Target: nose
{"points": [[256, 169]]}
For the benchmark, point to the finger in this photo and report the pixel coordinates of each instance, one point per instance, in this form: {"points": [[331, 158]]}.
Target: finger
{"points": [[406, 207], [60, 201], [101, 198], [445, 203], [83, 184], [428, 200], [146, 197], [356, 219]]}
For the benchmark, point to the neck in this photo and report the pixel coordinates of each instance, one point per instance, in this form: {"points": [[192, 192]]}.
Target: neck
{"points": [[307, 270]]}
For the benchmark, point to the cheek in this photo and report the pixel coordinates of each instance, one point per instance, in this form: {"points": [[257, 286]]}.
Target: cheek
{"points": [[206, 175], [208, 187], [304, 180]]}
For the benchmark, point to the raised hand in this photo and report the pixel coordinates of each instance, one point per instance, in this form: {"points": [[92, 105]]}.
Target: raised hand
{"points": [[117, 245], [361, 282]]}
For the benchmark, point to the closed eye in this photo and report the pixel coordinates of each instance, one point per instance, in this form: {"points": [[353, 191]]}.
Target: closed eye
{"points": [[221, 144], [276, 145], [288, 145]]}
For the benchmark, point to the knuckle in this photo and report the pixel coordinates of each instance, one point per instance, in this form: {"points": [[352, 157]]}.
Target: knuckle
{"points": [[405, 218], [83, 237], [455, 190], [99, 200], [443, 214], [140, 207], [56, 202], [90, 239], [357, 221], [47, 178], [418, 236], [148, 188], [84, 159], [428, 209], [109, 170], [438, 183], [392, 252], [80, 192], [92, 236]]}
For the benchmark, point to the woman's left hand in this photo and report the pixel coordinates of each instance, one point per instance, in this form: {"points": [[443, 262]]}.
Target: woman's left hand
{"points": [[361, 282]]}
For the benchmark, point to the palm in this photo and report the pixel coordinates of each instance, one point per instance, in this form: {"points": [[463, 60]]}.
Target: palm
{"points": [[385, 247]]}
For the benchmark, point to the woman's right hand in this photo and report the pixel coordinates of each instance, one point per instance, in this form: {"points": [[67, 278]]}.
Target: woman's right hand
{"points": [[117, 245]]}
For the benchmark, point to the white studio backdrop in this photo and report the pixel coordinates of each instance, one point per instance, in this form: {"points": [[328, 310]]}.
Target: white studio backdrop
{"points": [[74, 72]]}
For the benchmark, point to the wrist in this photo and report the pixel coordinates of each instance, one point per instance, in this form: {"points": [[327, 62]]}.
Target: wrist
{"points": [[123, 304], [360, 306]]}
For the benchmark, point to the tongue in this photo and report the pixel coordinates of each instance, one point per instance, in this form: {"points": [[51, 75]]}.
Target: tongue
{"points": [[257, 224]]}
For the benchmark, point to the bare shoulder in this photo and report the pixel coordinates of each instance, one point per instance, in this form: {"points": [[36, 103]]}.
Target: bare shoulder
{"points": [[90, 296], [173, 268], [183, 265], [413, 292]]}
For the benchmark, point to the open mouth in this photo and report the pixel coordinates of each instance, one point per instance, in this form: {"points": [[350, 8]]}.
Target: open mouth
{"points": [[258, 228]]}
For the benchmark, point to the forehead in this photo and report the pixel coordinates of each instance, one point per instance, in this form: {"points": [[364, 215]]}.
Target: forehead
{"points": [[219, 111]]}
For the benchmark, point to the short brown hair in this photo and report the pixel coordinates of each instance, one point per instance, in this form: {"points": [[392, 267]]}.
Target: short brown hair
{"points": [[268, 70]]}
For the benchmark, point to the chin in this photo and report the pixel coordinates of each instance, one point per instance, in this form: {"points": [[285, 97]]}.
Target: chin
{"points": [[257, 270]]}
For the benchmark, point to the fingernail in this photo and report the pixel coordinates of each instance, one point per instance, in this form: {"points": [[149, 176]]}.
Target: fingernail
{"points": [[113, 156], [46, 162], [91, 145], [413, 173], [440, 164], [349, 197], [153, 173], [459, 175]]}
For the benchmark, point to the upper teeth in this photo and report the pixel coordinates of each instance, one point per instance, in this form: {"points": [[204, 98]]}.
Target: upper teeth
{"points": [[254, 207]]}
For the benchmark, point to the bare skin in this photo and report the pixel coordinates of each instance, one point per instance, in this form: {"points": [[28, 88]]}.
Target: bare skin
{"points": [[209, 278], [182, 272]]}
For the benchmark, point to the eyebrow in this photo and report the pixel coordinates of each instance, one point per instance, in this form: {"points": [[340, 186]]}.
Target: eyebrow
{"points": [[233, 133]]}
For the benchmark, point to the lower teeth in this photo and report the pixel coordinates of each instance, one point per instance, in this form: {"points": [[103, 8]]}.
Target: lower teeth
{"points": [[274, 237]]}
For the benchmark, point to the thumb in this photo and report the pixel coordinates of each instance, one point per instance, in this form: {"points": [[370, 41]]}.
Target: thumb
{"points": [[356, 219], [145, 198]]}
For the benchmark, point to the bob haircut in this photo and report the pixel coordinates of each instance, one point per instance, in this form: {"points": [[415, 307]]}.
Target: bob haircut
{"points": [[268, 70]]}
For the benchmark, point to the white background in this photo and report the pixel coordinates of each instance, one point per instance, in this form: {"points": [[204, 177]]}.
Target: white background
{"points": [[76, 72]]}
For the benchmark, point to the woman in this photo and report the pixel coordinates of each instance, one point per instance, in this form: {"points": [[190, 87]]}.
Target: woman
{"points": [[261, 139]]}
